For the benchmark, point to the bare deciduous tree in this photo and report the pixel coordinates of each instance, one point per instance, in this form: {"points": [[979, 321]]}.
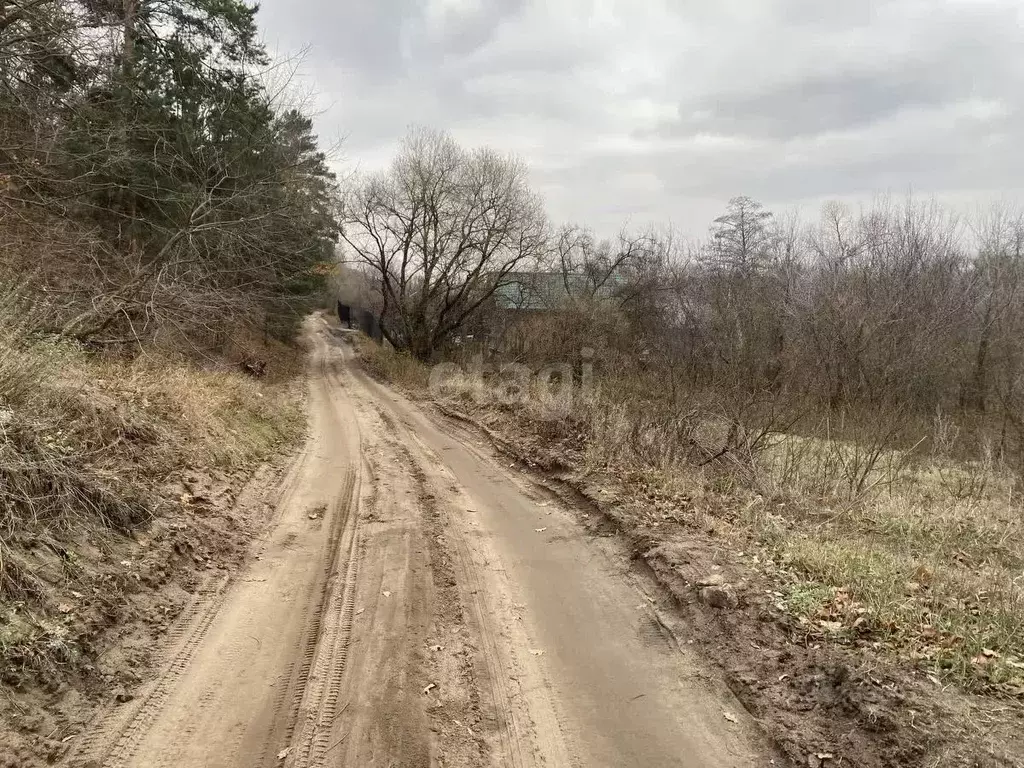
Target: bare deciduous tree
{"points": [[441, 230], [742, 238]]}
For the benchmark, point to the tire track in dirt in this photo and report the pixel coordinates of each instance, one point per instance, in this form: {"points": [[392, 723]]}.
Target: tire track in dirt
{"points": [[381, 714], [289, 700], [589, 681], [515, 731], [325, 659], [314, 682], [233, 696], [397, 613], [505, 733], [112, 740]]}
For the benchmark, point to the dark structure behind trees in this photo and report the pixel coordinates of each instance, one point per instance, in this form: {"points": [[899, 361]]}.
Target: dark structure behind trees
{"points": [[360, 319]]}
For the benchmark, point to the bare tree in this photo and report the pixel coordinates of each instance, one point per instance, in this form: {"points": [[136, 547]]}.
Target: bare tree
{"points": [[742, 238], [441, 230]]}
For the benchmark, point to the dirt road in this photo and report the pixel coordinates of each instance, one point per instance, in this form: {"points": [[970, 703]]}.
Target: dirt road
{"points": [[417, 602]]}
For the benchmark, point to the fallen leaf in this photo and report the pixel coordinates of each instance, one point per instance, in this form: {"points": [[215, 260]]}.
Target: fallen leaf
{"points": [[730, 717], [64, 608]]}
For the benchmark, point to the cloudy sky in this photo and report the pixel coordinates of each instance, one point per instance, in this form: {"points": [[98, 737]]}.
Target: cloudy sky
{"points": [[661, 110]]}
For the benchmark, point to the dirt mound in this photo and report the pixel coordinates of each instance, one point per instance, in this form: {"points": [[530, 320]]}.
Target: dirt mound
{"points": [[119, 486]]}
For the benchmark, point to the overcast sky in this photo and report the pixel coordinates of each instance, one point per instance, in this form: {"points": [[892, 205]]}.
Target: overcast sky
{"points": [[661, 110]]}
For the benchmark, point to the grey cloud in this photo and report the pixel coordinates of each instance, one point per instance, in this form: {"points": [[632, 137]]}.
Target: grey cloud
{"points": [[821, 103], [366, 36], [924, 62], [669, 107], [464, 32]]}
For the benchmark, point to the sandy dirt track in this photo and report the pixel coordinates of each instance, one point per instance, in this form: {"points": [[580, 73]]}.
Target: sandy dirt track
{"points": [[418, 602]]}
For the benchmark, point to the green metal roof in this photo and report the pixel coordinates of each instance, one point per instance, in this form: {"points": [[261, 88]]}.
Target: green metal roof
{"points": [[539, 291]]}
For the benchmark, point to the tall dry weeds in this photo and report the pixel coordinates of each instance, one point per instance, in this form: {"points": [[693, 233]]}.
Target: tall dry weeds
{"points": [[89, 445]]}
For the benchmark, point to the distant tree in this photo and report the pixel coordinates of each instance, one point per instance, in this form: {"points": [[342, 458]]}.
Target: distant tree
{"points": [[742, 238], [441, 230], [591, 267]]}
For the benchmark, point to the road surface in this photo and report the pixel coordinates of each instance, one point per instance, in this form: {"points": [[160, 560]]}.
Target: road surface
{"points": [[418, 602]]}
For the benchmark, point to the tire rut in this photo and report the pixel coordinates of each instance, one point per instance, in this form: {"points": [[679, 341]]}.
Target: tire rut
{"points": [[462, 596], [326, 655], [112, 740], [186, 714]]}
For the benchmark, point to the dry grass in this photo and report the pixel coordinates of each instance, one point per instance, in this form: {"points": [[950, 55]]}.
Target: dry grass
{"points": [[90, 444], [387, 364], [927, 562], [909, 551]]}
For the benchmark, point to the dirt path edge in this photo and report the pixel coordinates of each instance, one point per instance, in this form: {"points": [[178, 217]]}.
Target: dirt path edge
{"points": [[819, 705]]}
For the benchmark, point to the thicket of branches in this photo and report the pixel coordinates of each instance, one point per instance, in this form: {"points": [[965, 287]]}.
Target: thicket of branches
{"points": [[882, 325], [149, 185], [879, 325]]}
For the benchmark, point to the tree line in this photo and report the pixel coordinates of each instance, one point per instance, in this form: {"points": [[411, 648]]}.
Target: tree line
{"points": [[900, 314], [151, 184]]}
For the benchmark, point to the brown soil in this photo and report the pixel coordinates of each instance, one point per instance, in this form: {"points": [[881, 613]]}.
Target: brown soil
{"points": [[821, 704], [415, 601], [125, 595], [429, 588]]}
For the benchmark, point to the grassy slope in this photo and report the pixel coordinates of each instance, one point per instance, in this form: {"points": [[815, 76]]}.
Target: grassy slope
{"points": [[918, 570], [100, 462]]}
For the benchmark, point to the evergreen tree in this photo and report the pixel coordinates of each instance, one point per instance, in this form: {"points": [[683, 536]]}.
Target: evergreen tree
{"points": [[202, 203]]}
